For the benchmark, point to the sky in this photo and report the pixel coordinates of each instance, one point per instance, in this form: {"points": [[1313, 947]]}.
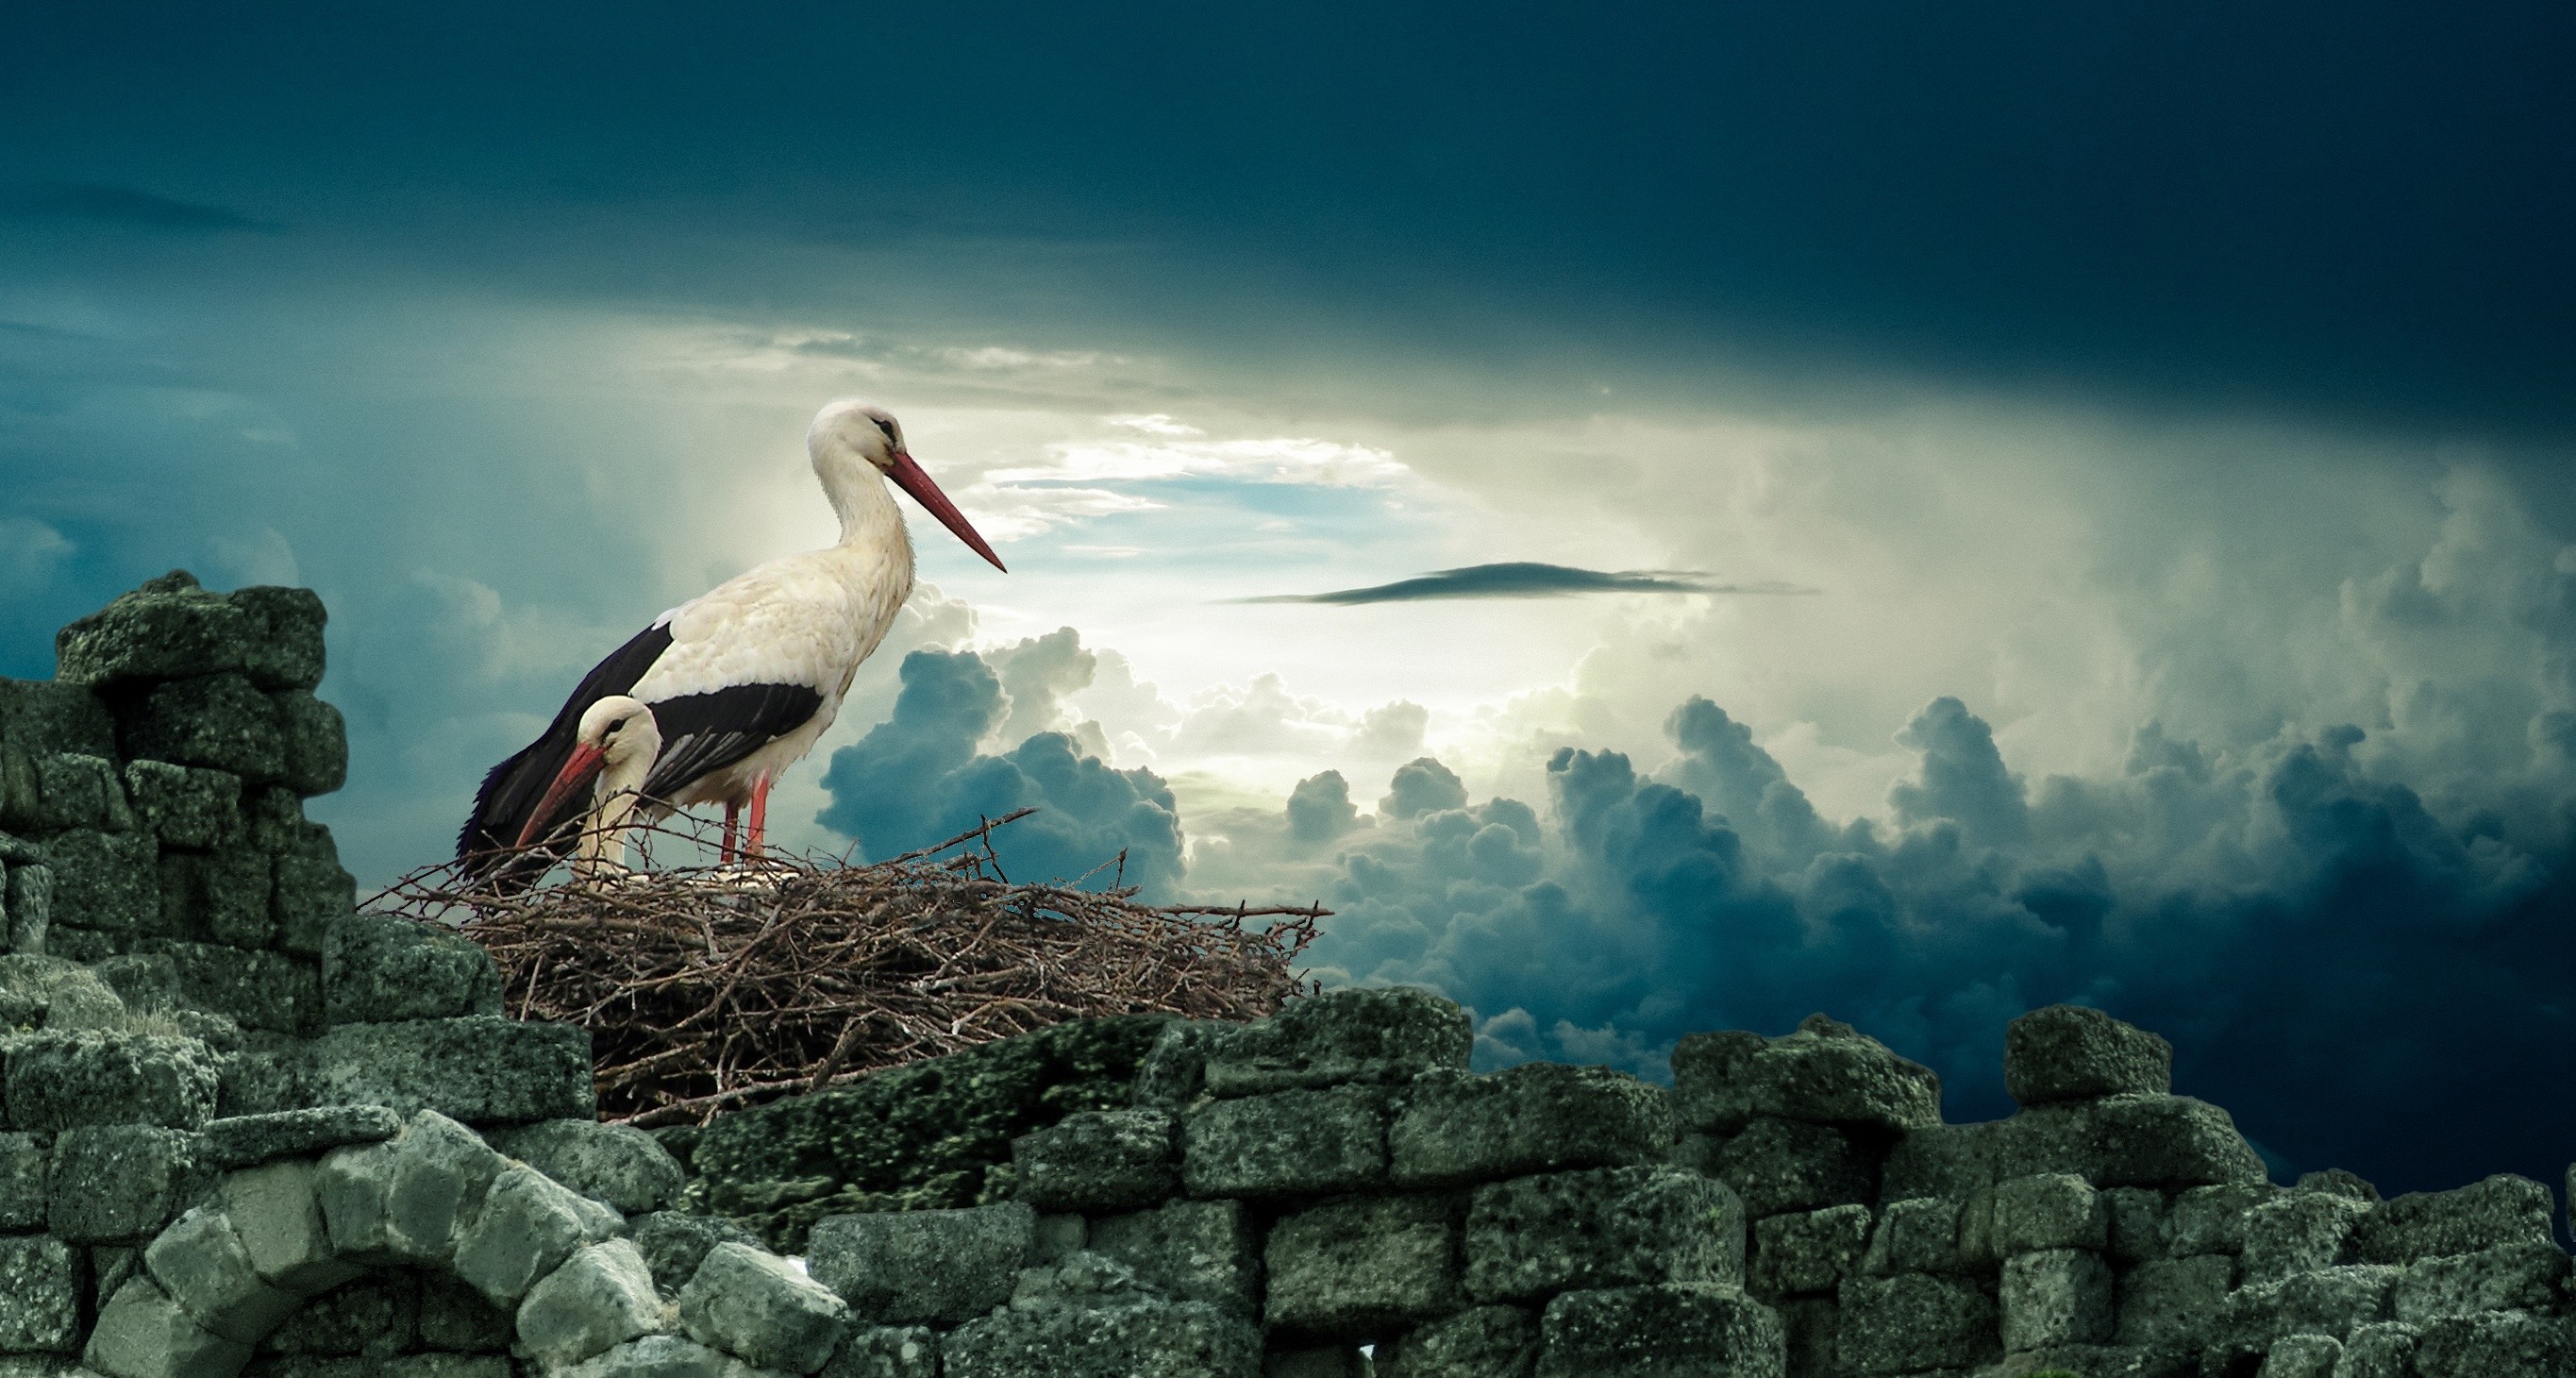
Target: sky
{"points": [[1662, 517]]}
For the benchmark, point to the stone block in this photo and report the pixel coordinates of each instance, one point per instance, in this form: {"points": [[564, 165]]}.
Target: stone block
{"points": [[2161, 1141], [1825, 1073], [1454, 1128], [141, 1333], [245, 1140], [219, 721], [22, 797], [283, 646], [1791, 1165], [78, 791], [2508, 1277], [1289, 1143], [1917, 1235], [2504, 1344], [185, 806], [658, 1356], [225, 896], [928, 1267], [256, 990], [2303, 1356], [2330, 1301], [886, 1351], [2503, 1209], [377, 968], [109, 882], [40, 1295], [311, 892], [168, 629], [1100, 1160], [674, 1244], [23, 1168], [2137, 1223], [2069, 1052], [2384, 1349], [2298, 1232], [411, 1198], [1806, 1252], [1143, 1340], [2211, 1220], [39, 717], [600, 1297], [750, 1302], [116, 1183], [203, 1266], [1383, 1036], [315, 741], [615, 1163], [1203, 1251], [480, 1071], [1173, 1072], [2335, 1181], [2055, 1297], [528, 1224], [70, 996], [2173, 1301], [2049, 1210], [1602, 1228], [1354, 1269], [1912, 1322], [1669, 1331], [1480, 1342], [58, 1081], [27, 898], [278, 1219]]}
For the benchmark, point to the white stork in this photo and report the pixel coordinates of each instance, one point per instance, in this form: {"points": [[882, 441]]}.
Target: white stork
{"points": [[743, 678], [613, 753]]}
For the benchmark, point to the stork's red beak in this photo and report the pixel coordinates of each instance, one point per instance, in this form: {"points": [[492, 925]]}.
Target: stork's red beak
{"points": [[577, 773], [910, 475]]}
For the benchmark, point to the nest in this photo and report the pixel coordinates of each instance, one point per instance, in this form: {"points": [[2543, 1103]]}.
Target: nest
{"points": [[708, 989]]}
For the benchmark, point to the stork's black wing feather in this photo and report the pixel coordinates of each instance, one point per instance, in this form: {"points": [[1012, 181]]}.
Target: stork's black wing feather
{"points": [[704, 733], [515, 787]]}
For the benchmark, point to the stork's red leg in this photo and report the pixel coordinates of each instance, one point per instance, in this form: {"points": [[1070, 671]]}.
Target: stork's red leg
{"points": [[759, 817], [725, 854]]}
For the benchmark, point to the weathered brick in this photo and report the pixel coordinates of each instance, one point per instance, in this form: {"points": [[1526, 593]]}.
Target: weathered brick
{"points": [[1652, 1332], [1605, 1227], [2069, 1052], [1825, 1073], [1202, 1251], [933, 1267], [1384, 1035], [1287, 1143], [1100, 1160], [1454, 1127], [1354, 1269]]}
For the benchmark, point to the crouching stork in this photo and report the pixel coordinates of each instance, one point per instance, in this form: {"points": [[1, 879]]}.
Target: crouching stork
{"points": [[742, 679]]}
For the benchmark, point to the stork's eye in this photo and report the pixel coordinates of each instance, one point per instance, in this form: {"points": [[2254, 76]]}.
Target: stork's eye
{"points": [[612, 728], [885, 426]]}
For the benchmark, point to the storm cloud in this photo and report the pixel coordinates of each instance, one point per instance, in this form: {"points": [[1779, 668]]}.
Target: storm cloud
{"points": [[2327, 954], [1524, 579]]}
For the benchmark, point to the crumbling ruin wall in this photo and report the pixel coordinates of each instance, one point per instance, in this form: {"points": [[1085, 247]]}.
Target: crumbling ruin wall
{"points": [[248, 1130]]}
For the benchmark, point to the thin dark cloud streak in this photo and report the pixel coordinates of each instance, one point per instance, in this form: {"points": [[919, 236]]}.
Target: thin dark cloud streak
{"points": [[1527, 579], [104, 204]]}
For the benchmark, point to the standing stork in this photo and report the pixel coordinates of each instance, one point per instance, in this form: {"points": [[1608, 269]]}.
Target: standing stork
{"points": [[743, 678]]}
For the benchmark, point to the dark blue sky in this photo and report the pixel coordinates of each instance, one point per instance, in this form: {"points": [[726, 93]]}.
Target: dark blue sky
{"points": [[2358, 208], [2167, 414]]}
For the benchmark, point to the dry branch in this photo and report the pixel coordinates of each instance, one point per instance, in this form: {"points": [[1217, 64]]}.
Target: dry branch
{"points": [[710, 988]]}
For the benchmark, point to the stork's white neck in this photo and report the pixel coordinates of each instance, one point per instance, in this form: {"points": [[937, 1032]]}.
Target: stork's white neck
{"points": [[870, 520]]}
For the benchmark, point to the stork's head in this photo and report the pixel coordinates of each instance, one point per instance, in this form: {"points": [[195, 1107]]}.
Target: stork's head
{"points": [[851, 432], [618, 736]]}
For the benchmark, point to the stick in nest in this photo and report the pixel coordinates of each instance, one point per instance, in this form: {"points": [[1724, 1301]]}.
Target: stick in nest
{"points": [[709, 989]]}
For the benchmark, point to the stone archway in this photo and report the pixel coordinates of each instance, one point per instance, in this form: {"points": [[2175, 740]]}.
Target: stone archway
{"points": [[436, 1197]]}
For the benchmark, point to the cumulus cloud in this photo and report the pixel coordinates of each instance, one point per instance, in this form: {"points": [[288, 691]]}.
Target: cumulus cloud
{"points": [[920, 777], [1524, 579], [2322, 946]]}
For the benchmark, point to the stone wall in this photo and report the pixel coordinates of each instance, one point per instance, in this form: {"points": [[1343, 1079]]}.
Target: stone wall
{"points": [[244, 1129]]}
